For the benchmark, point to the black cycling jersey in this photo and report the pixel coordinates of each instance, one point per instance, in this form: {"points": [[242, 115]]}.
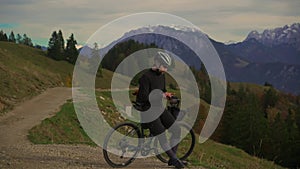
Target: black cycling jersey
{"points": [[151, 79]]}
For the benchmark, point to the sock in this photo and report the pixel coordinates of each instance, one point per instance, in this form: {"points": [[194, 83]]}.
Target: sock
{"points": [[175, 138], [174, 143], [166, 147]]}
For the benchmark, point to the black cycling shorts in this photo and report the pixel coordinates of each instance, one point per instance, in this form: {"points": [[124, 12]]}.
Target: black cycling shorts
{"points": [[158, 126]]}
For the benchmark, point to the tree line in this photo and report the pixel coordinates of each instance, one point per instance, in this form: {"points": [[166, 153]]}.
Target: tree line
{"points": [[57, 49], [265, 125], [120, 51], [25, 40], [56, 46]]}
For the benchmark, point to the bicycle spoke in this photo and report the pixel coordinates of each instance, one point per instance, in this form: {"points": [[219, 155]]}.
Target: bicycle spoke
{"points": [[121, 148]]}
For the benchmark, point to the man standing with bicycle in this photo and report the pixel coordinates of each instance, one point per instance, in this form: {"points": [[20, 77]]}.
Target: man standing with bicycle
{"points": [[151, 80]]}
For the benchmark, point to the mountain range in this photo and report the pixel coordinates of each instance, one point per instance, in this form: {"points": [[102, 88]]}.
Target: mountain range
{"points": [[272, 56], [289, 35]]}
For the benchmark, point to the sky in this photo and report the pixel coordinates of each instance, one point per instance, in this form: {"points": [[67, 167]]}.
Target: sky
{"points": [[223, 21]]}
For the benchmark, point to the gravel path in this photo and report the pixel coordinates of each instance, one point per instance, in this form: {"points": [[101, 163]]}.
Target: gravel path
{"points": [[17, 152]]}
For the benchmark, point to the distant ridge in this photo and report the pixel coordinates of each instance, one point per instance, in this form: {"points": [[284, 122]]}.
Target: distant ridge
{"points": [[249, 61], [288, 34]]}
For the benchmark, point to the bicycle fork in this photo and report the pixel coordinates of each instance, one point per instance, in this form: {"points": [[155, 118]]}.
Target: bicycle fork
{"points": [[146, 147]]}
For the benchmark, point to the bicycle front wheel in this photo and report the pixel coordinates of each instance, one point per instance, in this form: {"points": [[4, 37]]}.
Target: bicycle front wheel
{"points": [[185, 147], [122, 145]]}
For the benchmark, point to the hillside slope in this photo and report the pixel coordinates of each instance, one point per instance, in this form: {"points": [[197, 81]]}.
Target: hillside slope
{"points": [[64, 128], [25, 72]]}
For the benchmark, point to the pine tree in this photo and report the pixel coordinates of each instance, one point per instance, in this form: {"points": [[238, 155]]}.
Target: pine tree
{"points": [[60, 46], [12, 37], [268, 84], [230, 123], [56, 46], [244, 123], [93, 61], [291, 148], [52, 46], [19, 39], [27, 41], [3, 36], [270, 98], [225, 123], [257, 125], [277, 138], [24, 39], [71, 52], [61, 43]]}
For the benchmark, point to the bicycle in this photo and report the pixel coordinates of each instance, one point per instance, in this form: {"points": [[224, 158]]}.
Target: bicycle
{"points": [[124, 152]]}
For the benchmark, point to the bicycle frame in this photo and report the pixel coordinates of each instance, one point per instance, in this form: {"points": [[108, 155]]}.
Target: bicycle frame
{"points": [[145, 146]]}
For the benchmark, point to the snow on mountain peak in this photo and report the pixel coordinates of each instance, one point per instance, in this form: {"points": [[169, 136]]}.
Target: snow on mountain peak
{"points": [[288, 34], [151, 28]]}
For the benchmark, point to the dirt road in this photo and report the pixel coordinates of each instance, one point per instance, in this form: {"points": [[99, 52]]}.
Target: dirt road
{"points": [[17, 152]]}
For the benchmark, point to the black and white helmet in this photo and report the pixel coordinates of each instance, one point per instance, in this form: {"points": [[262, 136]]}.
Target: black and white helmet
{"points": [[164, 58]]}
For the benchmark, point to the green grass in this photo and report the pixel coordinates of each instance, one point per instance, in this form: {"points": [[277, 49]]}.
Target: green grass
{"points": [[104, 81], [25, 72], [64, 128], [215, 155], [106, 105]]}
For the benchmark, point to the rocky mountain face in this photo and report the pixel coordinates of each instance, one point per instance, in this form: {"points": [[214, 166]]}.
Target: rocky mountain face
{"points": [[273, 45], [272, 56], [288, 35]]}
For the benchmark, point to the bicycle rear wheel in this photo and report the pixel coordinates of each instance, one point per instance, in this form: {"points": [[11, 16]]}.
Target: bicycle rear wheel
{"points": [[119, 149], [185, 147]]}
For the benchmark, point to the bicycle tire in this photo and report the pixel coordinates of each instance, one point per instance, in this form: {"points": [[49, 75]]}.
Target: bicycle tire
{"points": [[109, 139], [165, 159]]}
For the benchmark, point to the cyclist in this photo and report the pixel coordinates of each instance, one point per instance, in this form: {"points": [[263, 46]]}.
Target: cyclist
{"points": [[152, 79]]}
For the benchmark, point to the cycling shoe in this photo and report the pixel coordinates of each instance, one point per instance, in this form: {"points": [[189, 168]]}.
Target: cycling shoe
{"points": [[176, 163]]}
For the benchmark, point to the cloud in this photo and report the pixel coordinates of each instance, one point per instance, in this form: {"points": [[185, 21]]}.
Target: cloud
{"points": [[223, 20]]}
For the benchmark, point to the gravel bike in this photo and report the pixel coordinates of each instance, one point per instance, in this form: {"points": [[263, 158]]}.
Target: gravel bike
{"points": [[126, 140]]}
